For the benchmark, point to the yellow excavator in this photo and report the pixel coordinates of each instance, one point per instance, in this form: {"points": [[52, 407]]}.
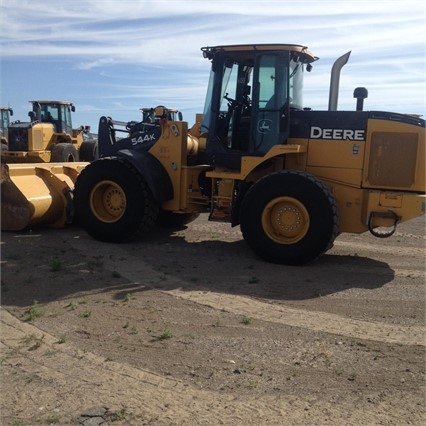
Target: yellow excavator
{"points": [[258, 157], [49, 136]]}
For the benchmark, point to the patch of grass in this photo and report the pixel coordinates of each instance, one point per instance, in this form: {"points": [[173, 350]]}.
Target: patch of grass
{"points": [[34, 312], [73, 305], [246, 320], [62, 339], [53, 420], [56, 265], [86, 314], [167, 332], [119, 415], [18, 423], [251, 384], [128, 297]]}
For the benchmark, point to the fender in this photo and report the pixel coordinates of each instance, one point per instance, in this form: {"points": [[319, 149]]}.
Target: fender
{"points": [[152, 171]]}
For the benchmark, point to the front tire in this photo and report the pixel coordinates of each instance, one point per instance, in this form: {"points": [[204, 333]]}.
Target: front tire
{"points": [[113, 202], [289, 217]]}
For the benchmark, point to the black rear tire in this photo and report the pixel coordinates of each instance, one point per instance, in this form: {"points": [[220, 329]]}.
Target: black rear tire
{"points": [[289, 217], [113, 202], [63, 153], [89, 151]]}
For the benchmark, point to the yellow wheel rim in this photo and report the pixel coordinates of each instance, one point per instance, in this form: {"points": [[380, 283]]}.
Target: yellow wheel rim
{"points": [[108, 201], [285, 220]]}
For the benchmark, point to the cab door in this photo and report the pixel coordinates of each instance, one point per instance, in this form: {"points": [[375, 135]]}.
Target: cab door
{"points": [[270, 108], [66, 119]]}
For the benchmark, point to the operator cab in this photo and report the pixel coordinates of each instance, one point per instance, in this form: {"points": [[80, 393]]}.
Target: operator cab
{"points": [[252, 89], [56, 112]]}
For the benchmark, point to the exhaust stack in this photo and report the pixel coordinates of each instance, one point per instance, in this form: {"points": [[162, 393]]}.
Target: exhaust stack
{"points": [[335, 79]]}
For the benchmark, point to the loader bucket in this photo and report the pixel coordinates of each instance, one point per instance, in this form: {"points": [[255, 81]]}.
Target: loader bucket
{"points": [[37, 194]]}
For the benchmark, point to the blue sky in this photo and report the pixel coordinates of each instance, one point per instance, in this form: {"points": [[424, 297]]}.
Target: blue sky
{"points": [[113, 57]]}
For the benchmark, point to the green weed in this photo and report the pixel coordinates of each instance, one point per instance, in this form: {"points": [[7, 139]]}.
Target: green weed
{"points": [[128, 297], [72, 305], [246, 320], [53, 420], [34, 312], [119, 415], [18, 423], [167, 332]]}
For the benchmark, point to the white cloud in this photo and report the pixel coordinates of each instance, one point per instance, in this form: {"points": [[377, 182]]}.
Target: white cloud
{"points": [[120, 55]]}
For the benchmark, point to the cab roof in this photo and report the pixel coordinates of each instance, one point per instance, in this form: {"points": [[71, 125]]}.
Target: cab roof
{"points": [[52, 102], [305, 55]]}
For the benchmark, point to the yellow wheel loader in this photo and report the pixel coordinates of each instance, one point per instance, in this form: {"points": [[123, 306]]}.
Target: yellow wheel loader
{"points": [[49, 136], [291, 177], [5, 114]]}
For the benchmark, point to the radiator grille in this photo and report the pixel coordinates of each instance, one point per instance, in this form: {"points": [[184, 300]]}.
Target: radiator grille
{"points": [[18, 139], [393, 159]]}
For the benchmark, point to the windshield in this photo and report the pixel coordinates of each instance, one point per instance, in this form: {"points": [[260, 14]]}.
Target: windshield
{"points": [[230, 80], [208, 103]]}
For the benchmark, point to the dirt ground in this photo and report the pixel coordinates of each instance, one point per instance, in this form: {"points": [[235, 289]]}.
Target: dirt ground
{"points": [[188, 327]]}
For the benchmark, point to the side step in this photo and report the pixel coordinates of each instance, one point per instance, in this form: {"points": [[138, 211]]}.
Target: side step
{"points": [[35, 194]]}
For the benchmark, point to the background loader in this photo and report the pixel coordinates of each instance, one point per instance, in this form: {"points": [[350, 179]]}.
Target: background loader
{"points": [[292, 178], [49, 136]]}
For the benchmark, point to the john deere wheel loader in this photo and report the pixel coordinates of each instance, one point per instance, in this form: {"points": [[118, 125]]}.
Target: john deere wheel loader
{"points": [[292, 178], [5, 114], [49, 136]]}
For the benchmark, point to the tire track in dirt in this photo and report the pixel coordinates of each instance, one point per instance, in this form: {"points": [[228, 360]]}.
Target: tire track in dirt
{"points": [[89, 380], [317, 321], [132, 268]]}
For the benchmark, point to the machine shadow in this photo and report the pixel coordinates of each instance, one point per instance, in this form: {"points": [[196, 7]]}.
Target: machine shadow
{"points": [[167, 261], [232, 268]]}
